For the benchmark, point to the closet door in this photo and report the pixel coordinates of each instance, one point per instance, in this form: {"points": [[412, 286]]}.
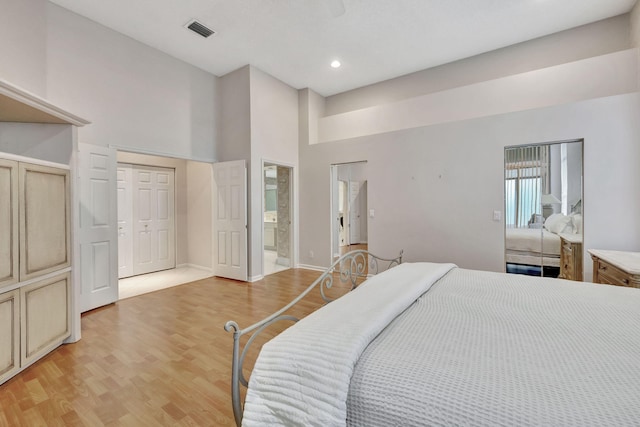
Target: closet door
{"points": [[8, 222], [125, 220], [44, 220], [153, 219]]}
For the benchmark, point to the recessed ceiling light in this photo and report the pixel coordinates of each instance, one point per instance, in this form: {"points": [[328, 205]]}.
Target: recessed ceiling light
{"points": [[335, 64]]}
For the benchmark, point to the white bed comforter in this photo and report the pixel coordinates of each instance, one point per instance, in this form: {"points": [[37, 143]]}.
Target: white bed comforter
{"points": [[301, 377], [529, 240]]}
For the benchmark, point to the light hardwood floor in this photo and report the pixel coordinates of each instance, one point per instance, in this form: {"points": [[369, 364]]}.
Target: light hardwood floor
{"points": [[157, 359]]}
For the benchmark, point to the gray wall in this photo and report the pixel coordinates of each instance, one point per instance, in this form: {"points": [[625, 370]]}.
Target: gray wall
{"points": [[274, 139], [137, 98], [23, 44], [434, 189]]}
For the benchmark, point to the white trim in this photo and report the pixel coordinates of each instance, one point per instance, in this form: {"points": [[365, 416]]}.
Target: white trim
{"points": [[196, 266], [27, 98], [19, 285], [293, 226], [255, 278], [311, 267], [33, 161], [136, 150]]}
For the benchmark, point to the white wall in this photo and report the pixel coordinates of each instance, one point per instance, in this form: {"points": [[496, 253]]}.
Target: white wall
{"points": [[635, 25], [587, 41], [434, 188], [610, 74], [48, 142], [236, 116], [137, 98], [23, 44], [199, 214], [274, 138]]}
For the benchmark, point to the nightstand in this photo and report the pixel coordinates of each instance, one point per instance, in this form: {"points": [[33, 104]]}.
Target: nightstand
{"points": [[616, 267], [570, 256]]}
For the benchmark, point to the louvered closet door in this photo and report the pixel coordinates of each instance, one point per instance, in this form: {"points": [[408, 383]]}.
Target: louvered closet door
{"points": [[153, 219]]}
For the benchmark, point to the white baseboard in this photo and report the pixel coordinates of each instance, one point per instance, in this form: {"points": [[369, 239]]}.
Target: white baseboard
{"points": [[311, 267], [196, 266], [255, 278]]}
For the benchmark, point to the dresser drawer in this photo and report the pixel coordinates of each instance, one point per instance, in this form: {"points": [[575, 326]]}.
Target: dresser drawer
{"points": [[612, 275]]}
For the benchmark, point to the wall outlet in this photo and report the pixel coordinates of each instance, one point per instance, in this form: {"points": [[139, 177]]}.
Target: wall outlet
{"points": [[310, 254], [497, 215]]}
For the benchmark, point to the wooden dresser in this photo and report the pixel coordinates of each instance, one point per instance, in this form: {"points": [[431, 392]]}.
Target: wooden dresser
{"points": [[570, 256], [616, 267]]}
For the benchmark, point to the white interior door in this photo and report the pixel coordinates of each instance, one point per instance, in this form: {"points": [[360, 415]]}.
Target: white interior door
{"points": [[153, 219], [354, 212], [230, 220], [125, 220], [98, 233]]}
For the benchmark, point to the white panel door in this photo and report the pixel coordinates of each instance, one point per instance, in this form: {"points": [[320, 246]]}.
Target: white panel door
{"points": [[125, 220], [98, 231], [354, 212], [230, 220], [153, 219]]}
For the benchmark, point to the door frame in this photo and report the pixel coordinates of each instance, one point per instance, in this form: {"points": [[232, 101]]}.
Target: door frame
{"points": [[334, 241], [293, 227]]}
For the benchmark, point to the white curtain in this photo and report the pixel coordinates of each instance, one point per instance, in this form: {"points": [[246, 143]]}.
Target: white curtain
{"points": [[526, 179]]}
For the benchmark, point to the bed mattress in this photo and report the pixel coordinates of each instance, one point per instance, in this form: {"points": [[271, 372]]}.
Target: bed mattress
{"points": [[489, 349], [531, 246]]}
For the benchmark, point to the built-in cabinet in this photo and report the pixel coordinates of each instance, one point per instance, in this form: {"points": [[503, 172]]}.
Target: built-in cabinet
{"points": [[35, 278], [9, 334], [39, 278]]}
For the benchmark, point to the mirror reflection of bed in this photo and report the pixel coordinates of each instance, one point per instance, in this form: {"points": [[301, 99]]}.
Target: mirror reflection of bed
{"points": [[543, 209]]}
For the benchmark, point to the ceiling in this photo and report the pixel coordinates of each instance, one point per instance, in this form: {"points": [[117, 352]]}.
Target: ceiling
{"points": [[296, 40]]}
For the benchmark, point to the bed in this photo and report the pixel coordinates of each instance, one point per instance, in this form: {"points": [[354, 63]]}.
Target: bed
{"points": [[539, 244], [434, 344], [531, 246]]}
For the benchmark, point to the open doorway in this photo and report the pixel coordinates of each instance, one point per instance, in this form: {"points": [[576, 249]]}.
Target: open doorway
{"points": [[349, 223], [277, 230], [164, 216]]}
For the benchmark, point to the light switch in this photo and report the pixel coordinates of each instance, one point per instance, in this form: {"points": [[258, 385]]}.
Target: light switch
{"points": [[371, 213], [497, 215]]}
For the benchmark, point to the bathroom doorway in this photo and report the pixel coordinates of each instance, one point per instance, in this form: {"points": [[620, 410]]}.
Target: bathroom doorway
{"points": [[277, 216]]}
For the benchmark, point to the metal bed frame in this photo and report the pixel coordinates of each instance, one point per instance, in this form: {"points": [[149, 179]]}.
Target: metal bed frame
{"points": [[351, 266]]}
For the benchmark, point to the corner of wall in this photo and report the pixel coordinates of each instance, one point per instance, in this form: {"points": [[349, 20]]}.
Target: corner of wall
{"points": [[634, 18], [311, 107]]}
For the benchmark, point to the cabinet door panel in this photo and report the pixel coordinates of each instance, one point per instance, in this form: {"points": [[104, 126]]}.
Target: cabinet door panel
{"points": [[45, 316], [8, 222], [44, 220], [9, 334]]}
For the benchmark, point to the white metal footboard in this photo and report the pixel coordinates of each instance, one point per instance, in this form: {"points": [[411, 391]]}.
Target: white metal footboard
{"points": [[350, 267]]}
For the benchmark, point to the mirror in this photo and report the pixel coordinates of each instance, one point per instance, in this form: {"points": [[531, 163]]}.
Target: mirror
{"points": [[543, 209]]}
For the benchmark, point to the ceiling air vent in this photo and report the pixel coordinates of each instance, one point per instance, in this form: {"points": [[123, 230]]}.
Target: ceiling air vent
{"points": [[199, 28]]}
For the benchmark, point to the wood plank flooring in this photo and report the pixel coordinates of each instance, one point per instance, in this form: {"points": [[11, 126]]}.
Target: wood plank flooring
{"points": [[159, 359]]}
